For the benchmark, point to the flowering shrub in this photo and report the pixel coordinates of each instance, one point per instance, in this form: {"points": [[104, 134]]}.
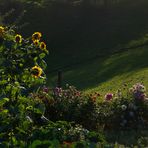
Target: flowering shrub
{"points": [[69, 104], [129, 111], [138, 92], [116, 111], [66, 133]]}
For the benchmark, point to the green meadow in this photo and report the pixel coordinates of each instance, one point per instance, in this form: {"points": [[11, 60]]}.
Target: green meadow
{"points": [[82, 43]]}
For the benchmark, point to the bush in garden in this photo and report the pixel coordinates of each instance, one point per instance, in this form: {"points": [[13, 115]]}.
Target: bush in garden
{"points": [[63, 134], [129, 111], [138, 91], [142, 142], [68, 104], [60, 103], [119, 111]]}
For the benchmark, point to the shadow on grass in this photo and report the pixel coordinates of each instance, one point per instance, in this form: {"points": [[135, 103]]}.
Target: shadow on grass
{"points": [[93, 73]]}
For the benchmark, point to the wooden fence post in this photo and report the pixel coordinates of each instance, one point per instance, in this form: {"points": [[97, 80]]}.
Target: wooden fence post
{"points": [[59, 81]]}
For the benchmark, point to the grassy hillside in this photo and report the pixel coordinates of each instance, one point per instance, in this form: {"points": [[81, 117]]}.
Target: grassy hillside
{"points": [[109, 73], [74, 33], [81, 42]]}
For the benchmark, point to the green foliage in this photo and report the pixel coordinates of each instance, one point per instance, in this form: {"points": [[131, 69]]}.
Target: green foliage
{"points": [[24, 101], [19, 59], [121, 110], [32, 115], [68, 104], [142, 142]]}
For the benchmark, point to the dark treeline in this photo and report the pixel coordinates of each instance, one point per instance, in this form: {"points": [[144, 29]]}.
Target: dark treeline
{"points": [[76, 29]]}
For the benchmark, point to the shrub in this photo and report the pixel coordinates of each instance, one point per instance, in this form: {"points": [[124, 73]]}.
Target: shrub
{"points": [[129, 111], [116, 111], [68, 104]]}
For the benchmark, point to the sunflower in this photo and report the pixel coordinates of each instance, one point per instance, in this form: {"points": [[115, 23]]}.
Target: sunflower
{"points": [[36, 42], [36, 71], [18, 38], [42, 46], [36, 36], [2, 30]]}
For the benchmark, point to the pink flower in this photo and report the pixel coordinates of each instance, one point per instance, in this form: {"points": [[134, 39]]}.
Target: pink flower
{"points": [[108, 96], [57, 91], [45, 89], [142, 96]]}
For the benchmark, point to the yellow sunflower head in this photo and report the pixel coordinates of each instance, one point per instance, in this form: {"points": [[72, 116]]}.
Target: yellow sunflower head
{"points": [[42, 46], [36, 36], [18, 38], [2, 30], [36, 71], [36, 42]]}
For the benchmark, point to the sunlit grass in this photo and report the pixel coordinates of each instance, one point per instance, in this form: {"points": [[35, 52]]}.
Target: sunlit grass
{"points": [[109, 73], [119, 81]]}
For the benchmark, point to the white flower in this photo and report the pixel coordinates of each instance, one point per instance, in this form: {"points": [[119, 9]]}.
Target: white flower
{"points": [[123, 107]]}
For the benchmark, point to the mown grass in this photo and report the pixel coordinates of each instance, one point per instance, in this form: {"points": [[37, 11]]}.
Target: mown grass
{"points": [[109, 73], [77, 36]]}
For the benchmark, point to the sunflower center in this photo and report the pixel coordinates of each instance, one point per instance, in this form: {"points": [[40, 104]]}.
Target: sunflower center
{"points": [[35, 72], [42, 46], [17, 39]]}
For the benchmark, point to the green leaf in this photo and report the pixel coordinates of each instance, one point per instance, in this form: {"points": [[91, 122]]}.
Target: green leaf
{"points": [[43, 64], [3, 101], [42, 55], [6, 99], [35, 59], [20, 130], [30, 108], [35, 144], [14, 140], [45, 143], [41, 107], [3, 82], [21, 65], [5, 111]]}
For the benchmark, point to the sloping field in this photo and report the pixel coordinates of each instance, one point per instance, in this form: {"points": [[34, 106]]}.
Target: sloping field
{"points": [[76, 33], [81, 42], [108, 73]]}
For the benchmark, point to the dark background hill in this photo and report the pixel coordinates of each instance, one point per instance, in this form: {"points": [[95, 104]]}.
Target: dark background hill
{"points": [[80, 30]]}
